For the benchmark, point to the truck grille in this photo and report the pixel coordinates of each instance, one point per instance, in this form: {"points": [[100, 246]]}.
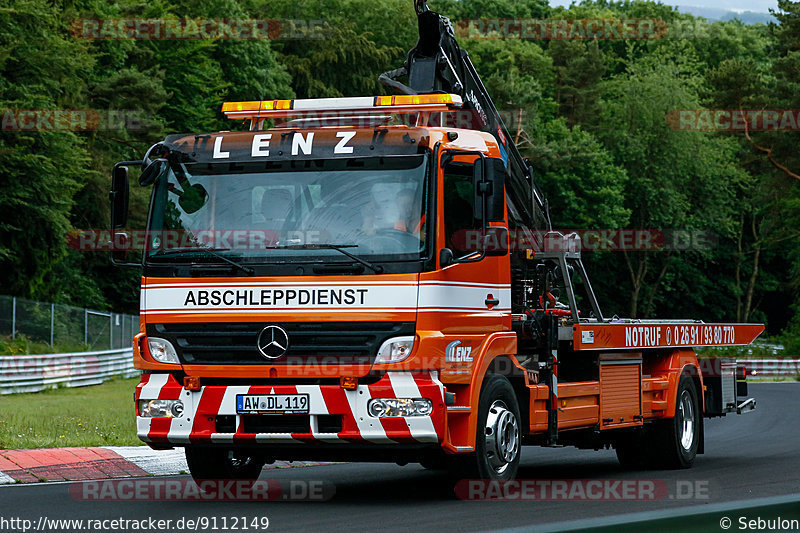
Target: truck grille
{"points": [[309, 342]]}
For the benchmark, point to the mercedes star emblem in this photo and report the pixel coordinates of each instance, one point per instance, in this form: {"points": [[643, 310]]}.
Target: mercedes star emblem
{"points": [[273, 342]]}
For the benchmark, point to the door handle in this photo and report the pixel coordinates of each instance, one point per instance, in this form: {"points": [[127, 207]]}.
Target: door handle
{"points": [[491, 301]]}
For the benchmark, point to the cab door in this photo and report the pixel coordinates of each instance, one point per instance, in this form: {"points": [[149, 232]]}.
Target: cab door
{"points": [[470, 297]]}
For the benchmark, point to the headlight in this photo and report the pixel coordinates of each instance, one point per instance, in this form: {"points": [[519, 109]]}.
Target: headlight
{"points": [[160, 408], [381, 407], [395, 350], [162, 350]]}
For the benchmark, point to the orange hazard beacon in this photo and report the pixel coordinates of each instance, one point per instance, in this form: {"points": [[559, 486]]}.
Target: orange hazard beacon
{"points": [[376, 279]]}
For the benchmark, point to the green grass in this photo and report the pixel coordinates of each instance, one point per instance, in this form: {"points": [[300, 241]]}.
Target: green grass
{"points": [[99, 415], [22, 345]]}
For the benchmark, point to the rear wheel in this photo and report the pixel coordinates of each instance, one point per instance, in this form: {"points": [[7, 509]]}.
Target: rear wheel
{"points": [[498, 440], [676, 441], [222, 463]]}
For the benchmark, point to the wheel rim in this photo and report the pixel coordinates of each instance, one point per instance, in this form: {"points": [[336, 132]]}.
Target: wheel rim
{"points": [[686, 420], [502, 437]]}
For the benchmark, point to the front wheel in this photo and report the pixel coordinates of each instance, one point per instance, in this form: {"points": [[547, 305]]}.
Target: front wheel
{"points": [[498, 439], [222, 463]]}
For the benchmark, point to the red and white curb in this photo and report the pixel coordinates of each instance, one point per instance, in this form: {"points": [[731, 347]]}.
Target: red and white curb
{"points": [[74, 464], [5, 478], [158, 463]]}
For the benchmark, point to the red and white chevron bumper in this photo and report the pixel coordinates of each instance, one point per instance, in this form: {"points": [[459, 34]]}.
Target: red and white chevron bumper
{"points": [[198, 423]]}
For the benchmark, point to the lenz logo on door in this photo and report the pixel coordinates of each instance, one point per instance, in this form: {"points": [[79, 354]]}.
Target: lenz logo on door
{"points": [[456, 353]]}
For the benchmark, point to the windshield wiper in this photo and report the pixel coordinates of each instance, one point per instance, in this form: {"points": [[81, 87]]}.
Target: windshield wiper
{"points": [[338, 247], [209, 251]]}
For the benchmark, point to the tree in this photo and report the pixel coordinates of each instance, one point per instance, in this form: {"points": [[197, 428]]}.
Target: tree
{"points": [[780, 148], [678, 180], [41, 68]]}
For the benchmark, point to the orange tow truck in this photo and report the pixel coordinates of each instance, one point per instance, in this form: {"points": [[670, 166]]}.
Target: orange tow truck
{"points": [[376, 279]]}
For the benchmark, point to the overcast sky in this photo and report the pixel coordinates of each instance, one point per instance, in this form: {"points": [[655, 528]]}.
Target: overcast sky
{"points": [[761, 6]]}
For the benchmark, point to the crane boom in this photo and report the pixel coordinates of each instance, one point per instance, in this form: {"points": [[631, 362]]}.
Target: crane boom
{"points": [[438, 64]]}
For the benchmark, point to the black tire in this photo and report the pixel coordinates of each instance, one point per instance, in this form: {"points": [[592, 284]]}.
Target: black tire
{"points": [[222, 463], [675, 441], [498, 440]]}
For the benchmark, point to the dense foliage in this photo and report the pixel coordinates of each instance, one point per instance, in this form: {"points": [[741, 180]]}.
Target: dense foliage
{"points": [[590, 114]]}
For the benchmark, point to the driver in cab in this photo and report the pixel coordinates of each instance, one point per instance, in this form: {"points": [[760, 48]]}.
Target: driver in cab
{"points": [[406, 218]]}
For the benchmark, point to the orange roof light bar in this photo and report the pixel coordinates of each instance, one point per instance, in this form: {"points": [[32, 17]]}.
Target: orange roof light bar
{"points": [[403, 103]]}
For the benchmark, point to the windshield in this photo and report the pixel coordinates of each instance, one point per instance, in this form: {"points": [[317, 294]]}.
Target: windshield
{"points": [[280, 211]]}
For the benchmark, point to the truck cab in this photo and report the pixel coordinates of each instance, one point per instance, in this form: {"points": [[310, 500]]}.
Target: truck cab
{"points": [[315, 285]]}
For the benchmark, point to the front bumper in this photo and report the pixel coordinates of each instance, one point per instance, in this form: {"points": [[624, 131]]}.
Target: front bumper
{"points": [[199, 422]]}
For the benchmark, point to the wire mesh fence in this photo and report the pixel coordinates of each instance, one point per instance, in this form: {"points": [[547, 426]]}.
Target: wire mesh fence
{"points": [[75, 328]]}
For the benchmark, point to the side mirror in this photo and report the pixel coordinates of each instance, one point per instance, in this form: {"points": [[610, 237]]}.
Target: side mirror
{"points": [[478, 184], [193, 198], [489, 175], [119, 197], [152, 171], [495, 201], [446, 257]]}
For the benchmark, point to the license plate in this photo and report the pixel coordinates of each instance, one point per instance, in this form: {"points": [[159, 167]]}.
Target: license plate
{"points": [[272, 403]]}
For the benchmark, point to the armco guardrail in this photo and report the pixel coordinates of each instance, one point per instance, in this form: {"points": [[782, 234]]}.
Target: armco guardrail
{"points": [[31, 373], [771, 368]]}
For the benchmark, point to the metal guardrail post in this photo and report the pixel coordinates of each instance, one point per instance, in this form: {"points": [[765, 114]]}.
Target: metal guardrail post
{"points": [[85, 326], [14, 317], [52, 321]]}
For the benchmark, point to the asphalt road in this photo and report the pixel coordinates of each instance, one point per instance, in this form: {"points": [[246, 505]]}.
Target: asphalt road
{"points": [[748, 456]]}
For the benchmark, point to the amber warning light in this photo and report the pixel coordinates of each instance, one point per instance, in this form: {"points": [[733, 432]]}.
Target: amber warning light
{"points": [[192, 383], [402, 103]]}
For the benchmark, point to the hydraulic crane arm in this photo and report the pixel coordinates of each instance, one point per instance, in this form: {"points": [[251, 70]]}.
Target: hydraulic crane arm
{"points": [[438, 64]]}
